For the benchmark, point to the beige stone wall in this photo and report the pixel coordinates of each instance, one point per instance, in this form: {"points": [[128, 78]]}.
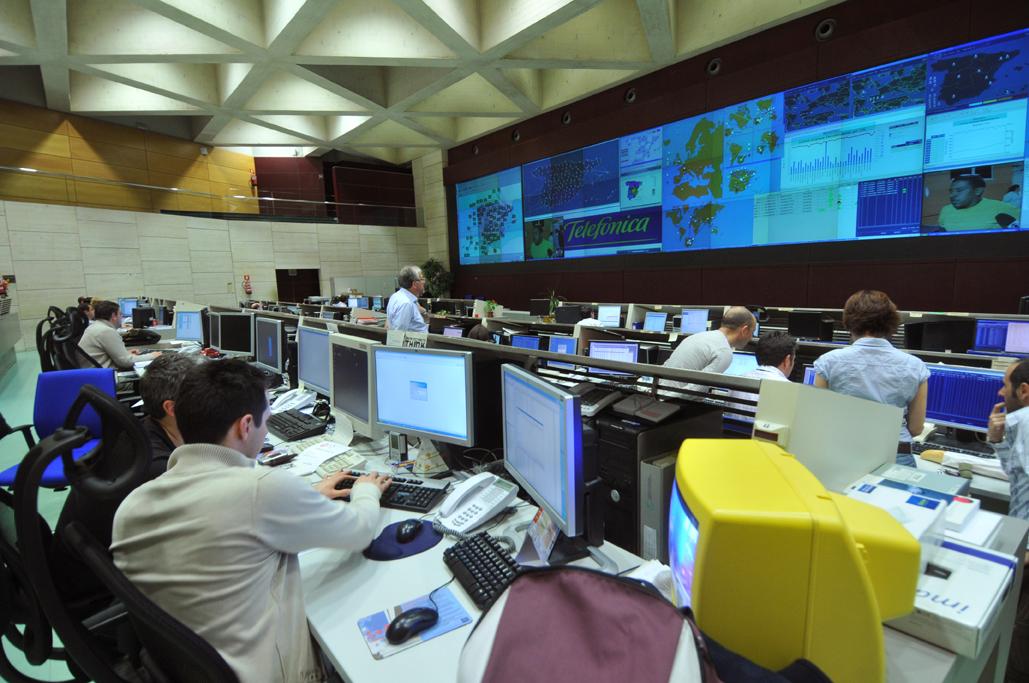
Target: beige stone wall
{"points": [[431, 200], [59, 253]]}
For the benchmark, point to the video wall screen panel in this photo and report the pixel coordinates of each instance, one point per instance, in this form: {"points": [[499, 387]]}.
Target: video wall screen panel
{"points": [[931, 145]]}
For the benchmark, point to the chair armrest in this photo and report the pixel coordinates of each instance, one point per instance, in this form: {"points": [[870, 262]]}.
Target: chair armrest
{"points": [[109, 615], [26, 431]]}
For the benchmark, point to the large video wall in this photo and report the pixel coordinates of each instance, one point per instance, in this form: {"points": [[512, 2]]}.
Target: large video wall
{"points": [[932, 145]]}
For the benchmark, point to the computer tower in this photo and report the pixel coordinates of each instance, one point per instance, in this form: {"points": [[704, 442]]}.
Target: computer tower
{"points": [[656, 478], [623, 443]]}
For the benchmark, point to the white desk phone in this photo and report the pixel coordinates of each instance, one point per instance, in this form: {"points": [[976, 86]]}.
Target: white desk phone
{"points": [[473, 502], [294, 399]]}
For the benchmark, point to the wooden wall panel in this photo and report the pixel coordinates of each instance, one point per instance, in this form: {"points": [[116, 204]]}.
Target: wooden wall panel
{"points": [[63, 143]]}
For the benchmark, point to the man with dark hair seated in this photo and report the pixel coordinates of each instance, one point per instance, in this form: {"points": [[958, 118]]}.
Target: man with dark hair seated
{"points": [[103, 343], [158, 389], [214, 540], [776, 353]]}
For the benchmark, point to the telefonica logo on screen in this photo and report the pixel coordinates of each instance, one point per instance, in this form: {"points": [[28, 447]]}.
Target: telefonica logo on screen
{"points": [[627, 227]]}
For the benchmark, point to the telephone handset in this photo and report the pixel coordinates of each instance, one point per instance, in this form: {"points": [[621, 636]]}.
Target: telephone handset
{"points": [[474, 502], [294, 399]]}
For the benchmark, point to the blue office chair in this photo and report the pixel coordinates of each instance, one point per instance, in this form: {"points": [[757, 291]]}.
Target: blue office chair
{"points": [[55, 393]]}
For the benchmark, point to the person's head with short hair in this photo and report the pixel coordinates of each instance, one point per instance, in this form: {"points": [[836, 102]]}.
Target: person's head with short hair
{"points": [[223, 403], [966, 190], [480, 333], [586, 311], [870, 313], [85, 308], [778, 349], [159, 388], [738, 325], [109, 311], [412, 279], [1015, 391]]}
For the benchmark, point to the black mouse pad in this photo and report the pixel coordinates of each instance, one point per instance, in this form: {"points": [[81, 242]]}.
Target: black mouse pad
{"points": [[385, 546]]}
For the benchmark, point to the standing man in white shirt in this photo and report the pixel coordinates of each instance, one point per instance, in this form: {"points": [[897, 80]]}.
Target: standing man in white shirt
{"points": [[776, 354], [403, 311], [104, 344]]}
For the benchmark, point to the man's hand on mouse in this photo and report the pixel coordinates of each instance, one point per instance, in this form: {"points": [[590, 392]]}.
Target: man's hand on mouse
{"points": [[337, 486]]}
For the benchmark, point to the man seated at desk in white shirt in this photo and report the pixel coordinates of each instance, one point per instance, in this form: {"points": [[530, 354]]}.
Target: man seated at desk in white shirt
{"points": [[214, 540], [776, 353], [403, 311], [104, 344]]}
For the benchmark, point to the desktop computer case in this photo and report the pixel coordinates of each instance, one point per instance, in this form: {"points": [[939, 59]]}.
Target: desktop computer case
{"points": [[657, 476]]}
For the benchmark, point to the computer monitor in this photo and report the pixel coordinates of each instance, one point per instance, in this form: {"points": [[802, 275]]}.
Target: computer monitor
{"points": [[990, 335], [215, 330], [962, 397], [497, 337], [558, 344], [956, 336], [839, 438], [353, 301], [237, 333], [453, 331], [834, 568], [268, 344], [313, 359], [127, 306], [809, 375], [424, 393], [539, 307], [352, 390], [363, 302], [626, 352], [328, 315], [694, 320], [1018, 338], [609, 316], [525, 341], [310, 310], [742, 363], [142, 315], [809, 325], [654, 321], [567, 315], [543, 445], [188, 326], [377, 303]]}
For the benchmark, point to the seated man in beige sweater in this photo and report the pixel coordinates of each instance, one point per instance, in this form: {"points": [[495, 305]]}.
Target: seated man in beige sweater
{"points": [[104, 344], [214, 540]]}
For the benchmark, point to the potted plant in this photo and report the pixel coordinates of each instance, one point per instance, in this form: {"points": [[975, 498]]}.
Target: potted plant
{"points": [[437, 279], [489, 307]]}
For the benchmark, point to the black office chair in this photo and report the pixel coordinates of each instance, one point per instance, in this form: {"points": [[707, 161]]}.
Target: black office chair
{"points": [[173, 651]]}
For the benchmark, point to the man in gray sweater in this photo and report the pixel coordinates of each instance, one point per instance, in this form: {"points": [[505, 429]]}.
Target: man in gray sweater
{"points": [[214, 540], [712, 351], [104, 344]]}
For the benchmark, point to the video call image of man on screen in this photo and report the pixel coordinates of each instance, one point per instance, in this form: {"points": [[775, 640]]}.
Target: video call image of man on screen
{"points": [[967, 206], [544, 239]]}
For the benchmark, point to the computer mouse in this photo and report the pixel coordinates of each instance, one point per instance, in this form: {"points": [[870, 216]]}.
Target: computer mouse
{"points": [[411, 623], [408, 530]]}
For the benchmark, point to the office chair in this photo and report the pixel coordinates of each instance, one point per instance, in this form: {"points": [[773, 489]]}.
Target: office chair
{"points": [[55, 393]]}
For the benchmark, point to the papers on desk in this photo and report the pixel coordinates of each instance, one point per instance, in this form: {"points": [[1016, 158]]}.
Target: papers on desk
{"points": [[977, 530], [308, 460], [451, 616]]}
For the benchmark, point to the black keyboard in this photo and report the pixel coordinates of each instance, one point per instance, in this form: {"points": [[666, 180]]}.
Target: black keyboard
{"points": [[482, 567], [293, 425], [410, 494], [977, 449]]}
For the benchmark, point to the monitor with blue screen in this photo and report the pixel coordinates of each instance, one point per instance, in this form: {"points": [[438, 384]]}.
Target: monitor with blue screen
{"points": [[609, 316], [742, 363], [809, 375], [268, 343], [363, 302], [626, 352], [377, 303], [654, 321], [558, 344], [425, 393], [497, 338], [694, 320], [525, 341], [962, 397], [188, 326], [353, 302], [990, 335], [313, 359], [453, 331], [127, 306]]}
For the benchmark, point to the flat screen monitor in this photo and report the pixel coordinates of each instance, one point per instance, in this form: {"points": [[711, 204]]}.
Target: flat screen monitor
{"points": [[127, 306], [310, 310], [539, 307], [625, 352], [961, 396], [991, 335], [188, 326], [363, 302], [525, 341], [742, 363], [352, 389], [809, 375], [567, 315], [809, 325], [313, 359], [328, 315], [955, 336], [497, 338], [543, 445], [237, 333], [654, 321], [353, 302], [1018, 338], [694, 320], [142, 315], [559, 344], [268, 344], [609, 316], [454, 331], [377, 303], [424, 393], [215, 323]]}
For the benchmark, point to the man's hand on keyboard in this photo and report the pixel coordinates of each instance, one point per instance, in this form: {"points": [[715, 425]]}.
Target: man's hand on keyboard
{"points": [[337, 486]]}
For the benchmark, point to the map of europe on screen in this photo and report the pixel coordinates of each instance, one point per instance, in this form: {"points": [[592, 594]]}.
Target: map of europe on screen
{"points": [[934, 144], [489, 218]]}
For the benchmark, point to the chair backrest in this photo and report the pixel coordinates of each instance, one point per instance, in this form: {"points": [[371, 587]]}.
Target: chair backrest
{"points": [[57, 391], [179, 653], [44, 342]]}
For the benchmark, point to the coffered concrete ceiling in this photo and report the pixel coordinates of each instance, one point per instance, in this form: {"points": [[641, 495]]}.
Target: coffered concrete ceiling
{"points": [[390, 79]]}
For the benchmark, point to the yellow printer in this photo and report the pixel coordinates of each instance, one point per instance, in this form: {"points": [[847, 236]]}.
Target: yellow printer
{"points": [[777, 568]]}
